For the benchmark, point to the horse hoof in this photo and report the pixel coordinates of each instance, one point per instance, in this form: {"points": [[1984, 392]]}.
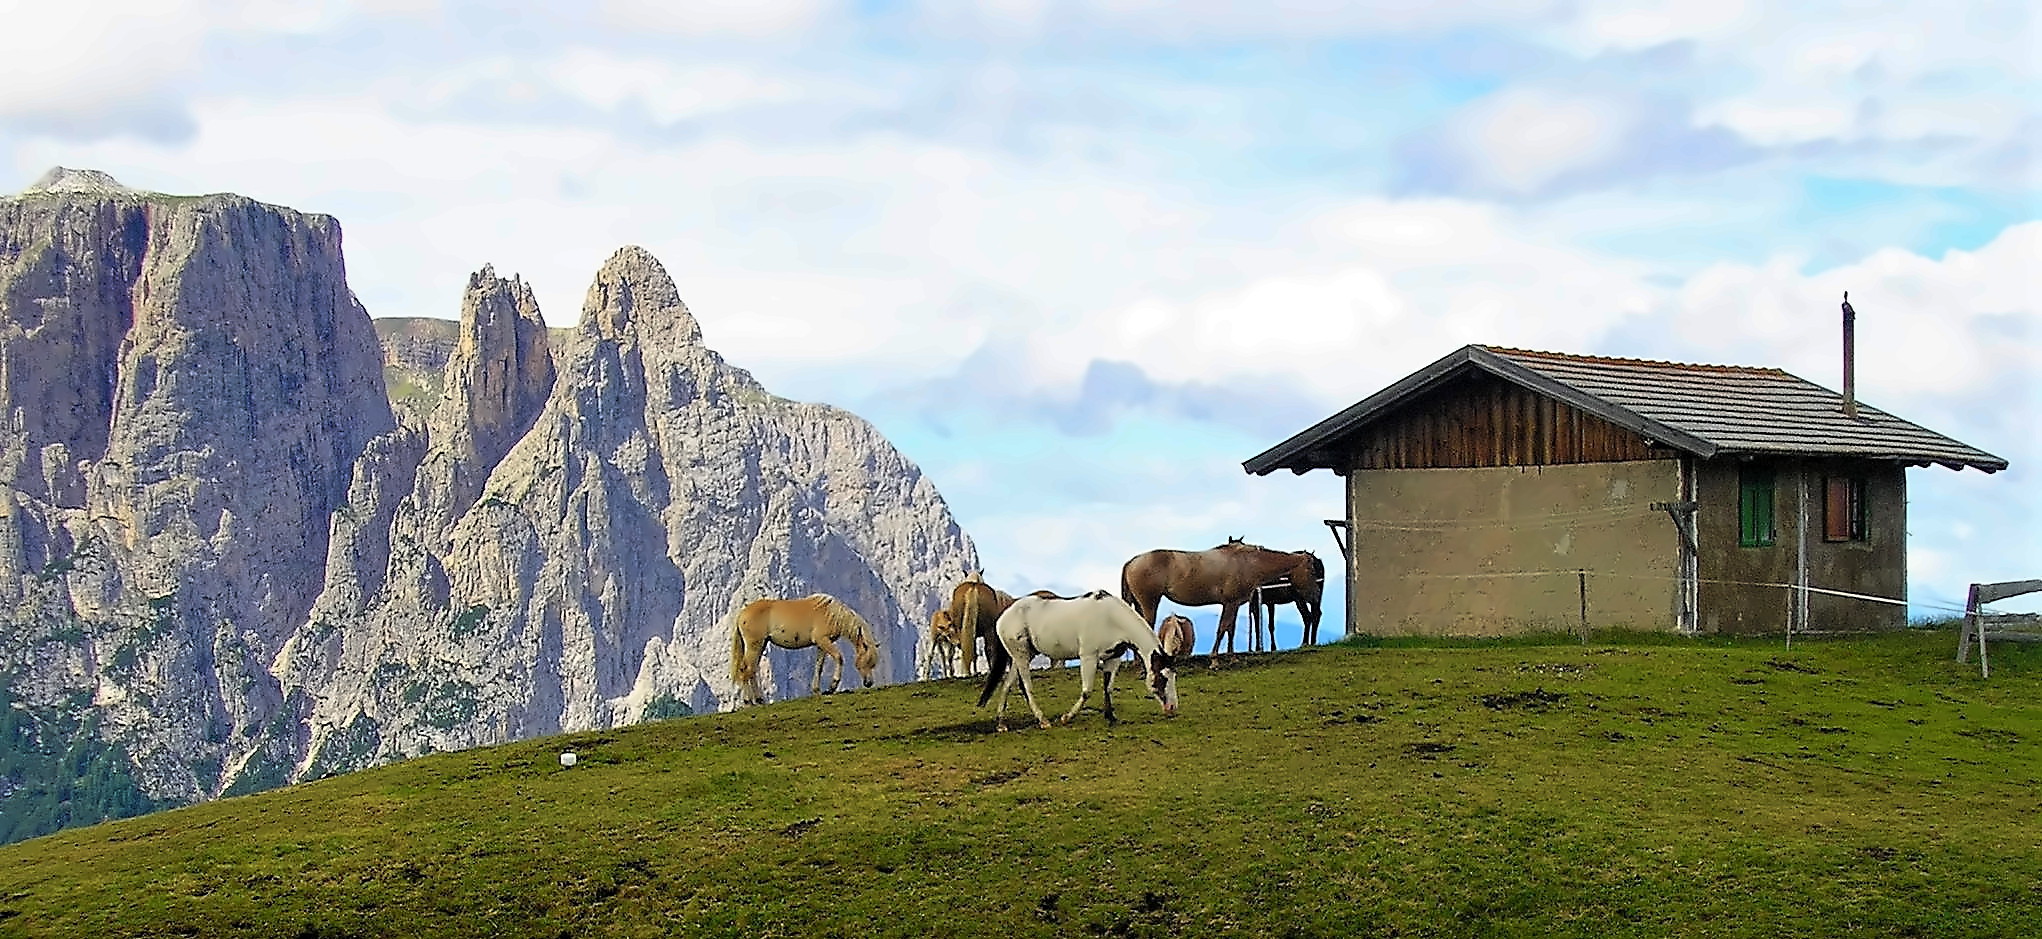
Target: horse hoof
{"points": [[1045, 725]]}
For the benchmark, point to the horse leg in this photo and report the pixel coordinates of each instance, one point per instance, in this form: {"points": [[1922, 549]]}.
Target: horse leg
{"points": [[1022, 660], [1088, 667], [748, 691], [1227, 617], [836, 655], [1113, 668], [1000, 713]]}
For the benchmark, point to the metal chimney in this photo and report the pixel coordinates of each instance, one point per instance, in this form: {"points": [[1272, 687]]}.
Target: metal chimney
{"points": [[1850, 357]]}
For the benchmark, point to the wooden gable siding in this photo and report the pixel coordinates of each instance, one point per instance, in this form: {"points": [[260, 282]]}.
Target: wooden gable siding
{"points": [[1481, 421]]}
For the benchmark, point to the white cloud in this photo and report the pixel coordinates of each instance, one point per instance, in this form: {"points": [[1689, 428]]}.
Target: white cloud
{"points": [[1225, 20], [1520, 140], [57, 57], [1641, 24], [88, 69], [1383, 287], [1926, 326], [1788, 74], [666, 92], [748, 18]]}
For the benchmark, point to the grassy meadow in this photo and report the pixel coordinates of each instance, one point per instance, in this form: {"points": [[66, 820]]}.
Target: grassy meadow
{"points": [[1626, 786]]}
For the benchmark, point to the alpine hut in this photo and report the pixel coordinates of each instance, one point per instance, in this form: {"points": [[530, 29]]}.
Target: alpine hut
{"points": [[1501, 491]]}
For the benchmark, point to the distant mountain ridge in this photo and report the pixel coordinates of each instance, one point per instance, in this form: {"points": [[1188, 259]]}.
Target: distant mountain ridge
{"points": [[246, 539]]}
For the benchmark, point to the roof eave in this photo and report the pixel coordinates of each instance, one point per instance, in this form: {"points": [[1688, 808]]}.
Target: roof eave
{"points": [[1300, 443], [1988, 464], [1286, 455]]}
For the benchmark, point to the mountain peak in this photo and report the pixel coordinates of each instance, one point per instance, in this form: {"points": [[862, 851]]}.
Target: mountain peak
{"points": [[633, 288], [65, 179]]}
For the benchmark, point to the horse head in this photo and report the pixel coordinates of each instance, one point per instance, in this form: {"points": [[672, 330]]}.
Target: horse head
{"points": [[1308, 577], [1162, 680], [866, 659]]}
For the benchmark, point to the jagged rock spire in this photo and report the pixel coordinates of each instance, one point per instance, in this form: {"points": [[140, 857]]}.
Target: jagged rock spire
{"points": [[498, 379]]}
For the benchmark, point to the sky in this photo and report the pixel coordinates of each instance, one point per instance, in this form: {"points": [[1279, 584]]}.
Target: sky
{"points": [[1079, 260]]}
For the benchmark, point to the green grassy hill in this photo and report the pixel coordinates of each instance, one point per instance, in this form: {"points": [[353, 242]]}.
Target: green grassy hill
{"points": [[1641, 786]]}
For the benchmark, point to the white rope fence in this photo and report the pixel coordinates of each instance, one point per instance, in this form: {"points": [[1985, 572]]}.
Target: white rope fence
{"points": [[1584, 573]]}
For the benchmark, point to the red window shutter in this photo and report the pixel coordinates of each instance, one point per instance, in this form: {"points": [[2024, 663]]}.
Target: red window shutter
{"points": [[1836, 508]]}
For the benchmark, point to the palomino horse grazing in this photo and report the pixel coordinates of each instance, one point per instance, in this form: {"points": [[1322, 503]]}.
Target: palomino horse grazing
{"points": [[975, 606], [1095, 629], [817, 620], [943, 642], [1282, 590], [1176, 636], [1226, 575]]}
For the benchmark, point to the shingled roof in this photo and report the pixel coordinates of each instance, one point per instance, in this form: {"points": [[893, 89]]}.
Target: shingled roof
{"points": [[1704, 410]]}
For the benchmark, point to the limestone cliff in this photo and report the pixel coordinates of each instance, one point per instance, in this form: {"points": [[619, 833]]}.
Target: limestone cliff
{"points": [[227, 564]]}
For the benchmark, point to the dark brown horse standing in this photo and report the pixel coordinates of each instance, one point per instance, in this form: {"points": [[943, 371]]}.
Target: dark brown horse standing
{"points": [[1226, 575], [1308, 597]]}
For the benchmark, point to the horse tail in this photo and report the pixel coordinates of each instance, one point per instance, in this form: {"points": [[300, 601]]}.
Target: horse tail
{"points": [[971, 628], [997, 662], [997, 658], [1126, 588]]}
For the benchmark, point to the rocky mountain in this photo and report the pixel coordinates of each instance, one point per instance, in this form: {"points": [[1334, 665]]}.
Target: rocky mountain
{"points": [[227, 561]]}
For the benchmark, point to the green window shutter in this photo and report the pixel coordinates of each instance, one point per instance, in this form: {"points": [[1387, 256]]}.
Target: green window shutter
{"points": [[1755, 506]]}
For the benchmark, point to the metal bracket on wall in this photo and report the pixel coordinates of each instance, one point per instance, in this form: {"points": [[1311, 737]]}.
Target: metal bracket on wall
{"points": [[1344, 537]]}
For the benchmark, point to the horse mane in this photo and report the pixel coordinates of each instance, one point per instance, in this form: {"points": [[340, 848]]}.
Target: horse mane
{"points": [[1237, 544], [844, 618]]}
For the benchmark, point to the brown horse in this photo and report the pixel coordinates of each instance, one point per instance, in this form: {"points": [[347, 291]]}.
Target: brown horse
{"points": [[1226, 575], [974, 609], [944, 644], [817, 620], [1282, 590]]}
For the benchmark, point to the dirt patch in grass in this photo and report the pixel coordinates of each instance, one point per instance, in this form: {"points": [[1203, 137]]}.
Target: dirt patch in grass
{"points": [[1537, 699]]}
